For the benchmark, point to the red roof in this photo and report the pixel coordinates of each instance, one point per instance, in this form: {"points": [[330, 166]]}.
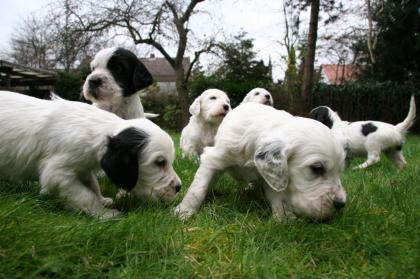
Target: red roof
{"points": [[337, 74]]}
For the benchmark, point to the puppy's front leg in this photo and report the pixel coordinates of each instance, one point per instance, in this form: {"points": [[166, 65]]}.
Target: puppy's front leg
{"points": [[197, 192], [93, 184], [280, 210]]}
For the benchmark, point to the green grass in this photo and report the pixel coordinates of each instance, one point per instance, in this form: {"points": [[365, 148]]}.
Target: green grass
{"points": [[233, 235]]}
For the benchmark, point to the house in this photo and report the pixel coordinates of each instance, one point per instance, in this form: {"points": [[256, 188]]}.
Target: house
{"points": [[163, 73], [337, 74]]}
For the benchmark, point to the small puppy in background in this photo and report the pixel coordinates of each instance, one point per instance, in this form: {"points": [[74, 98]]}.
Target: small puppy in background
{"points": [[208, 111], [259, 95], [64, 144], [115, 81], [368, 138], [296, 160]]}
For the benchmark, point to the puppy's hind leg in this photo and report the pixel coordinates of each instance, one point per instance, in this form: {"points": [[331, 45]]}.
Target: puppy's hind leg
{"points": [[397, 157]]}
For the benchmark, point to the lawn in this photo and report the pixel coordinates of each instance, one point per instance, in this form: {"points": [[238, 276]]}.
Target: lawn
{"points": [[233, 235]]}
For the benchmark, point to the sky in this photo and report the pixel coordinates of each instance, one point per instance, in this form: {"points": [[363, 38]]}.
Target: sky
{"points": [[262, 20]]}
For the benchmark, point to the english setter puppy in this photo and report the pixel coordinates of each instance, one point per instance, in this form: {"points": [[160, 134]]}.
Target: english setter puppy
{"points": [[297, 161], [63, 144], [259, 95], [369, 138], [208, 111], [115, 81]]}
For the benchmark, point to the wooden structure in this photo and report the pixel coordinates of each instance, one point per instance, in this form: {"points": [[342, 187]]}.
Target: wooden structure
{"points": [[28, 80]]}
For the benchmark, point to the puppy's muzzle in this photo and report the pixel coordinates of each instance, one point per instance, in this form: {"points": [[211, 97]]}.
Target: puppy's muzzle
{"points": [[94, 83], [226, 107], [339, 204]]}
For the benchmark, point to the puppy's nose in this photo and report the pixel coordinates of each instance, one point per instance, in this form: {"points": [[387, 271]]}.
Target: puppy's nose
{"points": [[95, 82], [177, 188], [339, 204], [226, 107], [267, 97]]}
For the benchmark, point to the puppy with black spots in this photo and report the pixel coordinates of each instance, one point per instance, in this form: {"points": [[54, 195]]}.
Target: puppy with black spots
{"points": [[368, 138], [64, 144], [115, 81]]}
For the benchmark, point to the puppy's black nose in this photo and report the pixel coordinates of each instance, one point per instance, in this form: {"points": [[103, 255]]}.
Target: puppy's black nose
{"points": [[267, 97], [95, 82], [339, 205], [177, 188], [226, 107]]}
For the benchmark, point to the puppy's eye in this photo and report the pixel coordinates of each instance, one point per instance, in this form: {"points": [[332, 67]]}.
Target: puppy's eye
{"points": [[258, 93], [317, 169], [212, 98], [161, 163]]}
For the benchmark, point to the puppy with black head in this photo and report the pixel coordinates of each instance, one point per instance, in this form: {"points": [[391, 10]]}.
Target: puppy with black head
{"points": [[115, 81], [368, 138], [64, 144]]}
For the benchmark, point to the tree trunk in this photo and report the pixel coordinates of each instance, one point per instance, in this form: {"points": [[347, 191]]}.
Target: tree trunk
{"points": [[308, 71], [182, 90]]}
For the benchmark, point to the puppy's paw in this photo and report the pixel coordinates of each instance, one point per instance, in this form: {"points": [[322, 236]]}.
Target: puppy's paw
{"points": [[284, 217], [107, 202], [121, 194], [183, 213], [109, 213]]}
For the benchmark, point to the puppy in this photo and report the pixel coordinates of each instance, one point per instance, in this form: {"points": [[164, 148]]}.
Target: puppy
{"points": [[115, 81], [208, 111], [259, 95], [63, 144], [297, 161], [369, 138]]}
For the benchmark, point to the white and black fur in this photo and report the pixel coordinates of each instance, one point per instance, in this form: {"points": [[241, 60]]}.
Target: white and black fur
{"points": [[259, 95], [115, 81], [296, 160], [207, 112], [64, 144], [368, 138]]}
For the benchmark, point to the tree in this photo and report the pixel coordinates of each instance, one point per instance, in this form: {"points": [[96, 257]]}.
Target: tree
{"points": [[163, 25], [329, 7], [238, 71]]}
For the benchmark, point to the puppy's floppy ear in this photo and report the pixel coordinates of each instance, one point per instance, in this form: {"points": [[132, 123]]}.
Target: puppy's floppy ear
{"points": [[271, 162], [141, 77], [246, 99], [195, 106], [120, 162], [321, 114]]}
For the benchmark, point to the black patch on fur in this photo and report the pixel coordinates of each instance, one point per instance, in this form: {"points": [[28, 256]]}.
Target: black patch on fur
{"points": [[399, 147], [120, 162], [322, 115], [127, 70], [368, 128]]}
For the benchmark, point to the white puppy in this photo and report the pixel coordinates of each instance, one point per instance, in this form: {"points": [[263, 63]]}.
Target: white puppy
{"points": [[297, 160], [65, 143], [208, 111], [369, 138], [115, 81], [259, 95]]}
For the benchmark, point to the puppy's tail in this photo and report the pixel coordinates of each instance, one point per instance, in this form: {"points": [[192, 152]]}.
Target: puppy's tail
{"points": [[409, 120], [150, 115]]}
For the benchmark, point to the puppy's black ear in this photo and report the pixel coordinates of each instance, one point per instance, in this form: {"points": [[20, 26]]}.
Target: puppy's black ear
{"points": [[141, 77], [121, 160], [321, 114]]}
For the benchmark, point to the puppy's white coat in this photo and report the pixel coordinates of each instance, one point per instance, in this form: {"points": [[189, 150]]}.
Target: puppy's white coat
{"points": [[297, 160], [259, 95], [63, 144], [369, 138], [208, 111]]}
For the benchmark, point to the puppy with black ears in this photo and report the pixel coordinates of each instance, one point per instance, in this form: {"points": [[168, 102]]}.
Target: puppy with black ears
{"points": [[369, 138], [115, 81], [64, 144], [207, 112], [259, 95]]}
